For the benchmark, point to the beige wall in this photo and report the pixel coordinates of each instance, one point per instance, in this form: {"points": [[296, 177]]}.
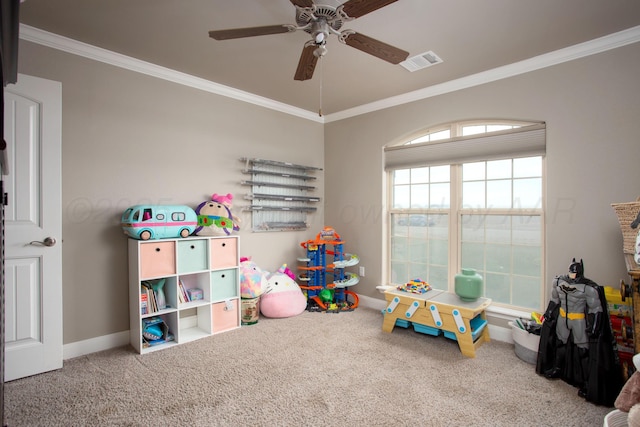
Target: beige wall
{"points": [[592, 110], [128, 138]]}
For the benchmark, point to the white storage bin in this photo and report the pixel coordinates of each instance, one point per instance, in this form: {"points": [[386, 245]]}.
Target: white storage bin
{"points": [[526, 344], [616, 418]]}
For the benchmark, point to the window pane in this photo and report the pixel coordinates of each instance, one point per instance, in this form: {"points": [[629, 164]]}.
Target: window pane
{"points": [[399, 248], [495, 128], [498, 228], [439, 226], [443, 134], [425, 138], [397, 230], [526, 292], [472, 256], [440, 196], [499, 169], [418, 251], [419, 175], [401, 196], [473, 195], [499, 194], [527, 193], [420, 196], [527, 230], [527, 167], [497, 287], [399, 270], [498, 258], [473, 171], [441, 173], [438, 252], [527, 260], [473, 129], [439, 278], [472, 228], [401, 176]]}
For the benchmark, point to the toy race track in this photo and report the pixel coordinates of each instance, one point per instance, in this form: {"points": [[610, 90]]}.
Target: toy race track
{"points": [[326, 283]]}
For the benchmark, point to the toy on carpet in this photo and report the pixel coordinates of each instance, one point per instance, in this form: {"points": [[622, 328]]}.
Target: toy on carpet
{"points": [[629, 398], [253, 280], [326, 282], [215, 217], [415, 286], [282, 297], [577, 343]]}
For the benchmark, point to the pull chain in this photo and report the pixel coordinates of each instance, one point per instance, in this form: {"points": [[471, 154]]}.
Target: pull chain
{"points": [[321, 78]]}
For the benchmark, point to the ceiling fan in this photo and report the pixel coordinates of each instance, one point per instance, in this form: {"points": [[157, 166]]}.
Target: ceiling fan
{"points": [[320, 21]]}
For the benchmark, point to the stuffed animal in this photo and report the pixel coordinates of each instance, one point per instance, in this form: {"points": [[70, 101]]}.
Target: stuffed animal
{"points": [[252, 279], [215, 217], [629, 398], [282, 297]]}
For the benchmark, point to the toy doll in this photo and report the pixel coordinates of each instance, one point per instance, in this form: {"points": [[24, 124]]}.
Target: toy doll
{"points": [[576, 341], [215, 217]]}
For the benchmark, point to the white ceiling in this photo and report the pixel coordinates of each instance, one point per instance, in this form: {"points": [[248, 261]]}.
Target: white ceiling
{"points": [[471, 36]]}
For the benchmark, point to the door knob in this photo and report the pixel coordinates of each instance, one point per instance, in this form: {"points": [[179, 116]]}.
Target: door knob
{"points": [[49, 241]]}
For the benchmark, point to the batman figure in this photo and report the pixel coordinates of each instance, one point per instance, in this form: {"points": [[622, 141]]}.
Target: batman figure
{"points": [[576, 341]]}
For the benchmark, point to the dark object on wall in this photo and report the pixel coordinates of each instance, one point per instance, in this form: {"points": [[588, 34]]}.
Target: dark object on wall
{"points": [[9, 19]]}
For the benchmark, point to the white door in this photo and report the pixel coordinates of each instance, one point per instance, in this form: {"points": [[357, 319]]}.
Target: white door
{"points": [[33, 219]]}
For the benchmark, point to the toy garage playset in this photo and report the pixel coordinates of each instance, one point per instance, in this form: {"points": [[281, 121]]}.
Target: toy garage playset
{"points": [[326, 283]]}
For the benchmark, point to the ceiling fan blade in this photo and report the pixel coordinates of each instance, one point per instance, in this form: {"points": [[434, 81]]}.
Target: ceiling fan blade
{"points": [[307, 63], [302, 3], [375, 47], [238, 33], [357, 8]]}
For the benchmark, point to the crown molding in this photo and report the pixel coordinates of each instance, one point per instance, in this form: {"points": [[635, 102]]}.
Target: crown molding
{"points": [[85, 50], [592, 47]]}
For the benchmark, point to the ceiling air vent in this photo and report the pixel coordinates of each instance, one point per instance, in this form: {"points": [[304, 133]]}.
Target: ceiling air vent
{"points": [[418, 62]]}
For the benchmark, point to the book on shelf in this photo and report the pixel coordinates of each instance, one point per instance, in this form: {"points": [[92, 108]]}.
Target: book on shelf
{"points": [[144, 299], [184, 295], [146, 289]]}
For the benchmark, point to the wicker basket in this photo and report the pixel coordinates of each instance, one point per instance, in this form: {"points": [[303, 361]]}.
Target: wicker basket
{"points": [[627, 213]]}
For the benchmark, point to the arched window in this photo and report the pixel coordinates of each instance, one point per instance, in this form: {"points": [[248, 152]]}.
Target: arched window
{"points": [[470, 195]]}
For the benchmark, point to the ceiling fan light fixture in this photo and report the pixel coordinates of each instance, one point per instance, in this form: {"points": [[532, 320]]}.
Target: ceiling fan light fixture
{"points": [[320, 51]]}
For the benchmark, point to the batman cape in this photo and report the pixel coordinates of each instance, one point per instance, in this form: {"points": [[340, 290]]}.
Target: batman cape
{"points": [[599, 378]]}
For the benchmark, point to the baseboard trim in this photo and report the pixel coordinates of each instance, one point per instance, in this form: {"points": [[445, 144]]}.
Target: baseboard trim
{"points": [[119, 339], [105, 342]]}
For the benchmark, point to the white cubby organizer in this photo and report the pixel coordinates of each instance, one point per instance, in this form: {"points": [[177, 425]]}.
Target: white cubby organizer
{"points": [[280, 194], [208, 263]]}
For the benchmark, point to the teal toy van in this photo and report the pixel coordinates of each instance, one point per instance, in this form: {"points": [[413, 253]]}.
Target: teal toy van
{"points": [[146, 222]]}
